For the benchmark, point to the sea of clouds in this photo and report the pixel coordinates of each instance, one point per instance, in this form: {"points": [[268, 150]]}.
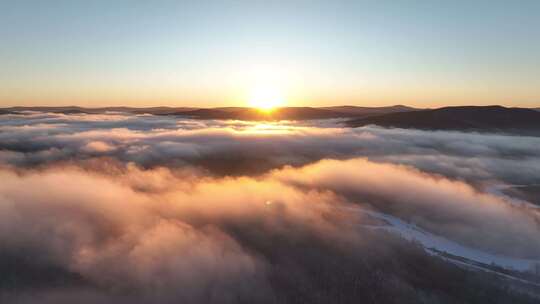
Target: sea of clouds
{"points": [[136, 208]]}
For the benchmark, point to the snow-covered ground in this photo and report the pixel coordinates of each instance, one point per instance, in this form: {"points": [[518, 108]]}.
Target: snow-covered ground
{"points": [[441, 244]]}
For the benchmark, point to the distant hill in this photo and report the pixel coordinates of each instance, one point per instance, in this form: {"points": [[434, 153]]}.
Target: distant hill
{"points": [[479, 118], [299, 113], [241, 113], [293, 113], [83, 110], [369, 111]]}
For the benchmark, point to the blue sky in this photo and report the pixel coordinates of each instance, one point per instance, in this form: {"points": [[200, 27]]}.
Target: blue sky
{"points": [[198, 53]]}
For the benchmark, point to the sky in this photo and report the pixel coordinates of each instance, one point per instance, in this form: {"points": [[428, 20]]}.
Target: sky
{"points": [[309, 53]]}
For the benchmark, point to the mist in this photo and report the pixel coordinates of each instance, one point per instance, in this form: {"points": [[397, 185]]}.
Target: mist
{"points": [[138, 209]]}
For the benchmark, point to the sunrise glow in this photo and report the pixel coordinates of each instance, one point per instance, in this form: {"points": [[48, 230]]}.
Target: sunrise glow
{"points": [[266, 98], [329, 152]]}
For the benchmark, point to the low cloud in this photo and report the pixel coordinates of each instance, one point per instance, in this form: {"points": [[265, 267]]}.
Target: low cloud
{"points": [[138, 209], [172, 237], [249, 148], [446, 207], [180, 235]]}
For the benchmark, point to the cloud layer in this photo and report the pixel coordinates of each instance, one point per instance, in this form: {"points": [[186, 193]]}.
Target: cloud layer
{"points": [[194, 237], [141, 209], [247, 148]]}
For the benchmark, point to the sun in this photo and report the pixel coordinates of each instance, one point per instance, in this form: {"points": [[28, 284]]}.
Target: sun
{"points": [[266, 98]]}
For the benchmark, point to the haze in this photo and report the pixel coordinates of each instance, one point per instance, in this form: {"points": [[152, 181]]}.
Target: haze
{"points": [[215, 53]]}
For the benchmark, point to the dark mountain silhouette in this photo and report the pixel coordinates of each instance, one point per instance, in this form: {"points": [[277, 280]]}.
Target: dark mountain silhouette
{"points": [[256, 114], [369, 111], [471, 118], [296, 113], [468, 118], [83, 110], [241, 113]]}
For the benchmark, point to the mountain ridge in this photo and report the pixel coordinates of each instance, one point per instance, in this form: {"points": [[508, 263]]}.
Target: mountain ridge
{"points": [[241, 113], [461, 118]]}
